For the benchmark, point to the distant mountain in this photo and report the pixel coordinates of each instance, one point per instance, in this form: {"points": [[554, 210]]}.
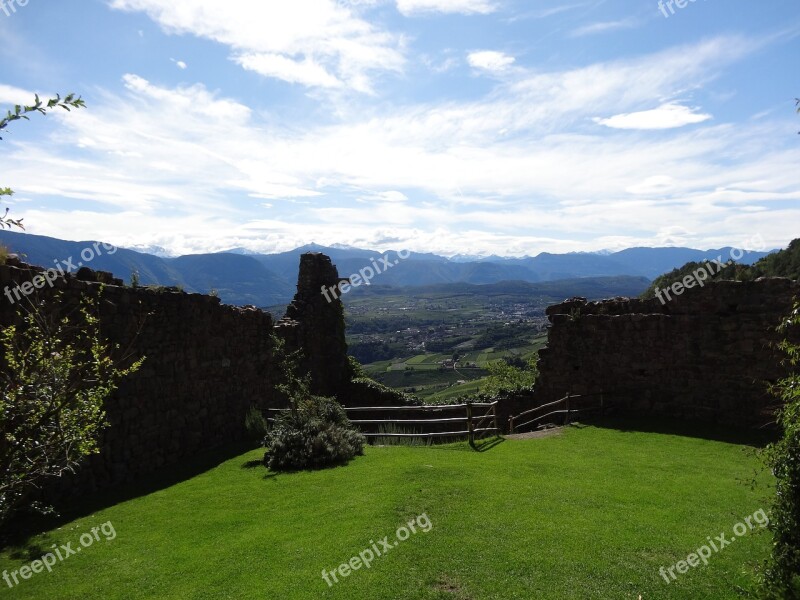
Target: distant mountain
{"points": [[593, 288], [159, 251], [652, 262], [238, 279], [242, 277]]}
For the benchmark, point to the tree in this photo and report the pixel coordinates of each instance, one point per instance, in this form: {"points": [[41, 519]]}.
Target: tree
{"points": [[783, 457], [504, 377], [21, 112], [56, 372]]}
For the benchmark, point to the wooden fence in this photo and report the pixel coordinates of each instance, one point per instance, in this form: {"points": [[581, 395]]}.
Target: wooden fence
{"points": [[472, 420], [568, 406]]}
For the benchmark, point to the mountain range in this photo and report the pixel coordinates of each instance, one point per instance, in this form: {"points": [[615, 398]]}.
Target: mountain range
{"points": [[241, 277]]}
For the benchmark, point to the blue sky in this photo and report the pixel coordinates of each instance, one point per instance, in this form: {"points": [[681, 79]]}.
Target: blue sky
{"points": [[509, 127]]}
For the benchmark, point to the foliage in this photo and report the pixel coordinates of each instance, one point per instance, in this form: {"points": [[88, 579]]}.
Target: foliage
{"points": [[355, 367], [783, 573], [374, 393], [785, 263], [56, 373], [395, 440], [731, 270], [21, 112], [504, 377], [315, 434], [255, 424]]}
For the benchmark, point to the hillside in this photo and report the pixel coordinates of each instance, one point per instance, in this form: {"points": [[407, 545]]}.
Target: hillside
{"points": [[784, 263]]}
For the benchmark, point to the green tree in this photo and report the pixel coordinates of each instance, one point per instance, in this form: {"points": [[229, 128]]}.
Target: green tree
{"points": [[504, 377], [56, 372], [21, 112], [783, 458]]}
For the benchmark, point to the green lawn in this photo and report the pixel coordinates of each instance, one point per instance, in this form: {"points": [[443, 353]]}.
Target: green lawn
{"points": [[592, 513]]}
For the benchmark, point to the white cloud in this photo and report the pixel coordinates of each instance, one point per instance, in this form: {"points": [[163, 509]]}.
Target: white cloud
{"points": [[306, 72], [324, 40], [490, 60], [180, 64], [13, 95], [666, 116], [436, 175], [467, 7], [604, 27]]}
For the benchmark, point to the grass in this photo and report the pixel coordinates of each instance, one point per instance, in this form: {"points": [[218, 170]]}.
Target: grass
{"points": [[589, 514]]}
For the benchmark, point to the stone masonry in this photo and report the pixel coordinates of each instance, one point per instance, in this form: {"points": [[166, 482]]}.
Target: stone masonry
{"points": [[707, 355], [317, 326], [206, 364]]}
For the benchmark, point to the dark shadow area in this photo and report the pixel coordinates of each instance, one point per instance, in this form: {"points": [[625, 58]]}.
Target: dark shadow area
{"points": [[24, 526], [487, 444], [757, 438], [483, 445]]}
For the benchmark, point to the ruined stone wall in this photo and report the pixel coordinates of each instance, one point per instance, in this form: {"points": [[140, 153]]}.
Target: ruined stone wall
{"points": [[206, 364], [315, 325], [707, 354]]}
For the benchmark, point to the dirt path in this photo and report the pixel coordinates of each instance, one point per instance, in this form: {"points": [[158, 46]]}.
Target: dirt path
{"points": [[536, 434]]}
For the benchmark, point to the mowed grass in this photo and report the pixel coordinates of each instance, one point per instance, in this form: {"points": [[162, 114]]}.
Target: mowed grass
{"points": [[591, 513]]}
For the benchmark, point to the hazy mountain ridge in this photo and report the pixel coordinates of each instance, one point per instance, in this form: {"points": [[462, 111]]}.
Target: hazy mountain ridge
{"points": [[241, 277]]}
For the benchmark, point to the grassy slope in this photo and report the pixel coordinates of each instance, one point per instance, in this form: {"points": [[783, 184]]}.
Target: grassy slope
{"points": [[590, 514]]}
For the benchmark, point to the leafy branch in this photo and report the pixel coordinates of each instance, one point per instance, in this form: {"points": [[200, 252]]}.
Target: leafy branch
{"points": [[21, 112]]}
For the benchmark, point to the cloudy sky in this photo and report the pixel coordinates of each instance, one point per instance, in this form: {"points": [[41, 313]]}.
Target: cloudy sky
{"points": [[454, 126]]}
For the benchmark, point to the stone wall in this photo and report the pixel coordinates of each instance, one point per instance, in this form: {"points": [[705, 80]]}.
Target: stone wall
{"points": [[315, 325], [707, 355], [206, 364]]}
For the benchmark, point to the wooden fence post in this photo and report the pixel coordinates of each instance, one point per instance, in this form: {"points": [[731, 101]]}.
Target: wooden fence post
{"points": [[566, 417], [470, 425], [496, 428], [511, 424]]}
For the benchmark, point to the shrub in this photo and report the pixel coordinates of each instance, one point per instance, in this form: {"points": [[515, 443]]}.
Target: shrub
{"points": [[783, 572], [316, 433], [255, 424]]}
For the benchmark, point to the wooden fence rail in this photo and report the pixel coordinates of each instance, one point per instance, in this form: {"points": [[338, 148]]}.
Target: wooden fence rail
{"points": [[569, 409], [480, 419]]}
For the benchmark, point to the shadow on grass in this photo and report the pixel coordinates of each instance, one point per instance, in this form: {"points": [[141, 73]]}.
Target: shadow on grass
{"points": [[17, 535], [483, 445], [757, 438]]}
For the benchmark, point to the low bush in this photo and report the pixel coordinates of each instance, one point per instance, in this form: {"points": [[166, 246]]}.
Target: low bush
{"points": [[314, 434]]}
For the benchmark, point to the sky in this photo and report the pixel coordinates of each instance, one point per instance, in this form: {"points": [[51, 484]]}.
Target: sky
{"points": [[469, 127]]}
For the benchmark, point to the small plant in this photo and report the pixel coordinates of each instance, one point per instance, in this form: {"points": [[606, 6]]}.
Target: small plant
{"points": [[255, 424], [214, 293], [396, 440], [782, 577], [135, 279], [3, 254]]}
